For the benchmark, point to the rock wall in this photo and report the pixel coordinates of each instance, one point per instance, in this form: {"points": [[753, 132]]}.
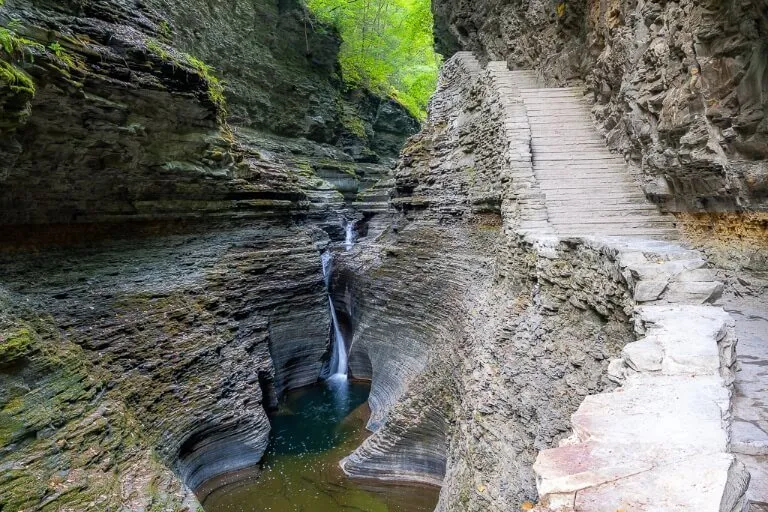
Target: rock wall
{"points": [[170, 173], [178, 331], [483, 335], [463, 327], [679, 88]]}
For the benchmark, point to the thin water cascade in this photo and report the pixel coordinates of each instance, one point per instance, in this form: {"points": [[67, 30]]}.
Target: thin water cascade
{"points": [[349, 239], [339, 352]]}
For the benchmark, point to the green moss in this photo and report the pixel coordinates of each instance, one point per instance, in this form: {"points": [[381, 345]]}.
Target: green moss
{"points": [[215, 87], [352, 122], [157, 49], [164, 29], [62, 54], [15, 345], [15, 45]]}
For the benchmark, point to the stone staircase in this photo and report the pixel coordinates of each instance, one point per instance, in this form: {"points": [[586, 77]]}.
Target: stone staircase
{"points": [[661, 440], [575, 185]]}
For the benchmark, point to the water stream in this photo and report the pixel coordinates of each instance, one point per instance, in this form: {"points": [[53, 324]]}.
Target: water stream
{"points": [[313, 429], [338, 346]]}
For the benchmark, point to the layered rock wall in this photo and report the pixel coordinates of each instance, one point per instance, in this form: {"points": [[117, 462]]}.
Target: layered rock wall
{"points": [[483, 331], [460, 319], [170, 173], [679, 88]]}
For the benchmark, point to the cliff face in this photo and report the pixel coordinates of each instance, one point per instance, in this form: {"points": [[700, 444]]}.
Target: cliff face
{"points": [[463, 327], [679, 88], [170, 172], [483, 328]]}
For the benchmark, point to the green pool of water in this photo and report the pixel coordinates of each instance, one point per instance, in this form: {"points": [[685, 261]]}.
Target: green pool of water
{"points": [[314, 428]]}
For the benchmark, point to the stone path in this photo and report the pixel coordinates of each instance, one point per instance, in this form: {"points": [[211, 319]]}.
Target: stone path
{"points": [[581, 188], [661, 440]]}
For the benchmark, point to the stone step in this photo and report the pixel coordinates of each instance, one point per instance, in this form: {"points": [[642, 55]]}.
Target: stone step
{"points": [[582, 218], [654, 234], [574, 155], [602, 195], [582, 158], [553, 191], [563, 108], [635, 211], [605, 202], [597, 165], [556, 144], [583, 181], [552, 90], [571, 99], [583, 174], [547, 119], [576, 135]]}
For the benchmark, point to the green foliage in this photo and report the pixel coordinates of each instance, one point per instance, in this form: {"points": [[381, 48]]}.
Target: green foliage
{"points": [[164, 29], [387, 46], [16, 79], [215, 87], [156, 48], [15, 45], [353, 123], [62, 54]]}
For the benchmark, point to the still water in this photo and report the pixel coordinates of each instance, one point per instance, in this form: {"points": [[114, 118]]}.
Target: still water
{"points": [[313, 429]]}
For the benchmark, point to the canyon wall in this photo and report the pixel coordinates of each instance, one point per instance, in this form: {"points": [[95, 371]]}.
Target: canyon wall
{"points": [[679, 88], [464, 329], [169, 175], [483, 331]]}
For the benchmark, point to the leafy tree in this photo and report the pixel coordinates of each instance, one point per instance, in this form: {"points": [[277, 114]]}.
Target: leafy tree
{"points": [[387, 46]]}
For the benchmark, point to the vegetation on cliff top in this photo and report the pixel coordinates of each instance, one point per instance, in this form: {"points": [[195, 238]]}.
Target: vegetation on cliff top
{"points": [[387, 46]]}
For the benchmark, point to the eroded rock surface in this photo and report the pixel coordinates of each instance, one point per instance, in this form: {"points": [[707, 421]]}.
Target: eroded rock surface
{"points": [[678, 88], [484, 332], [167, 185]]}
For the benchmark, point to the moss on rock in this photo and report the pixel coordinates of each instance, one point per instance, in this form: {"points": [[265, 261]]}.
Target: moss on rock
{"points": [[14, 345]]}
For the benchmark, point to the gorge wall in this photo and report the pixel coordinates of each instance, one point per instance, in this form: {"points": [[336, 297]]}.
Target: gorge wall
{"points": [[483, 334], [170, 173], [679, 88], [464, 329]]}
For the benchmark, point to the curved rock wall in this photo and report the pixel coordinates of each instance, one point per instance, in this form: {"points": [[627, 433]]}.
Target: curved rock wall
{"points": [[167, 225], [196, 333], [678, 87], [483, 333], [466, 328]]}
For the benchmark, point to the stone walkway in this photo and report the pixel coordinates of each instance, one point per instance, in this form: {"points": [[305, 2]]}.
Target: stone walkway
{"points": [[583, 188], [661, 440]]}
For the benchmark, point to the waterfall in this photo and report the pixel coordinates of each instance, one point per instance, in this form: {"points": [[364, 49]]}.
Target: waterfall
{"points": [[349, 239], [339, 351]]}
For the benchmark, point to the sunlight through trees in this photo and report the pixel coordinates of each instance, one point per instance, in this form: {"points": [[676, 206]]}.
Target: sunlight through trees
{"points": [[387, 46]]}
